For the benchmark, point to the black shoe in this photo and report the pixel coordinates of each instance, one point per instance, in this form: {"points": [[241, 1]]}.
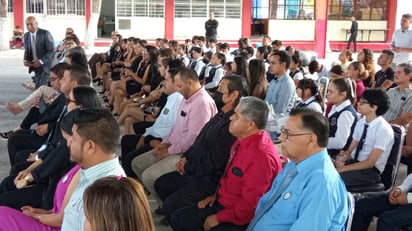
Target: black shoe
{"points": [[102, 92], [95, 80], [164, 222], [159, 211], [6, 135]]}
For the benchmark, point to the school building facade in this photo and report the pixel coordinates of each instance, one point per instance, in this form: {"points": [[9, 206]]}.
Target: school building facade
{"points": [[305, 24]]}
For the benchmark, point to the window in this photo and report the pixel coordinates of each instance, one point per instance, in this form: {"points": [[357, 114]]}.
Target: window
{"points": [[56, 7], [201, 8], [361, 9], [292, 9], [34, 6], [72, 7], [140, 8], [10, 6]]}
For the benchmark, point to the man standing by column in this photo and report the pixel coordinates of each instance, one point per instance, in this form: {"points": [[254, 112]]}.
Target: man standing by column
{"points": [[211, 28], [402, 41], [38, 52], [353, 33]]}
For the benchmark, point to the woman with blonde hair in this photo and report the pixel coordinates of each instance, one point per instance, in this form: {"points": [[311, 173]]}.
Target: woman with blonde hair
{"points": [[365, 56], [117, 204]]}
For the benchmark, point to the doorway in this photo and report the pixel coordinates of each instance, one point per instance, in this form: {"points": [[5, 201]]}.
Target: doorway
{"points": [[107, 20]]}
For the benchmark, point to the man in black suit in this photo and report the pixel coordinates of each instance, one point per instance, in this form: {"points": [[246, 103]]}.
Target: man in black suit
{"points": [[353, 33], [38, 52]]}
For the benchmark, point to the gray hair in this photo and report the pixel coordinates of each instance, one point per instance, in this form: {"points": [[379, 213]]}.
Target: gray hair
{"points": [[254, 109]]}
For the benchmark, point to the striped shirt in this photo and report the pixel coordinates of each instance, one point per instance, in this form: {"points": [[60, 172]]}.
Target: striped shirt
{"points": [[73, 213], [402, 39], [397, 103]]}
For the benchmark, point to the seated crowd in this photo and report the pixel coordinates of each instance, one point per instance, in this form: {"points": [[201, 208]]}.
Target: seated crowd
{"points": [[196, 138]]}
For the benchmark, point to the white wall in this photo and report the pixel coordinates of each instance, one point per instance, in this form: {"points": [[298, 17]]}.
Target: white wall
{"points": [[187, 27], [57, 25], [337, 30], [292, 30], [10, 18], [142, 27]]}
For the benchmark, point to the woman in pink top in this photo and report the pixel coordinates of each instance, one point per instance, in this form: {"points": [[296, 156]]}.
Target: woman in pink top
{"points": [[35, 219], [357, 72]]}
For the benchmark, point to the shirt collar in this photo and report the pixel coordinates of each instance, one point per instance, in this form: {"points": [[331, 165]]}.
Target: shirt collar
{"points": [[96, 170], [305, 164], [341, 106]]}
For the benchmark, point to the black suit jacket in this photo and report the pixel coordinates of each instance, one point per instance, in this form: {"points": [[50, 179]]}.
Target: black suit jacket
{"points": [[44, 48]]}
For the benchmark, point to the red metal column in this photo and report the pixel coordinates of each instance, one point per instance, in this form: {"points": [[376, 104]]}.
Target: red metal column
{"points": [[391, 18], [321, 24], [88, 11], [169, 18], [19, 13], [246, 18]]}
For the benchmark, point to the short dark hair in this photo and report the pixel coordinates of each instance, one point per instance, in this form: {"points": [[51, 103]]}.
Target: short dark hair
{"points": [[98, 125], [389, 53], [58, 69], [283, 57], [337, 69], [277, 43], [186, 73], [264, 51], [315, 122], [86, 97], [408, 16], [197, 49], [377, 97], [221, 57], [237, 83], [407, 68], [313, 66], [79, 74]]}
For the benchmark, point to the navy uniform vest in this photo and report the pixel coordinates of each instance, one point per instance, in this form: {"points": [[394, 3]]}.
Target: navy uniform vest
{"points": [[333, 126]]}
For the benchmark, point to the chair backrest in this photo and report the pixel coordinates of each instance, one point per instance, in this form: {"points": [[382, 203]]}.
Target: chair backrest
{"points": [[351, 206], [323, 83], [389, 174]]}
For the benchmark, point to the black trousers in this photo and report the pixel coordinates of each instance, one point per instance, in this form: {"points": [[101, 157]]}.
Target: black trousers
{"points": [[177, 191], [192, 219], [23, 140], [16, 198], [129, 151], [31, 118], [390, 217], [361, 177], [352, 38]]}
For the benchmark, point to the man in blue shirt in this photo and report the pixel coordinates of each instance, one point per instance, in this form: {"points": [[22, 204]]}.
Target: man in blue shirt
{"points": [[308, 194], [281, 93]]}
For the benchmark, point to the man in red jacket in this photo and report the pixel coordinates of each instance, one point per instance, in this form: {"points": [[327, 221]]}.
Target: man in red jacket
{"points": [[253, 164]]}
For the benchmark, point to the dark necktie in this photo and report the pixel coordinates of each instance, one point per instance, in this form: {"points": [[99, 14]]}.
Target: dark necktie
{"points": [[193, 64], [301, 104], [361, 142], [33, 47], [292, 172]]}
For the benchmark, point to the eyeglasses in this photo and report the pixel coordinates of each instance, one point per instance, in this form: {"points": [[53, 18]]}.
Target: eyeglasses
{"points": [[287, 134], [362, 101]]}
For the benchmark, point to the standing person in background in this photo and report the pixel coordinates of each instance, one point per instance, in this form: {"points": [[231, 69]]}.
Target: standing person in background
{"points": [[402, 41], [211, 28], [38, 52], [353, 33], [17, 35]]}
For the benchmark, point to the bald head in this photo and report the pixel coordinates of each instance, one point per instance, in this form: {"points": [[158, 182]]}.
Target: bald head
{"points": [[31, 24]]}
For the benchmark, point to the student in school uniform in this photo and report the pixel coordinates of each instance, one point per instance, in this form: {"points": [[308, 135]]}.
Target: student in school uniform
{"points": [[216, 72]]}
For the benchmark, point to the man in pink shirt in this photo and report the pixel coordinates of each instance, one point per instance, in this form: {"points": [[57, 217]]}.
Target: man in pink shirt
{"points": [[195, 111]]}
